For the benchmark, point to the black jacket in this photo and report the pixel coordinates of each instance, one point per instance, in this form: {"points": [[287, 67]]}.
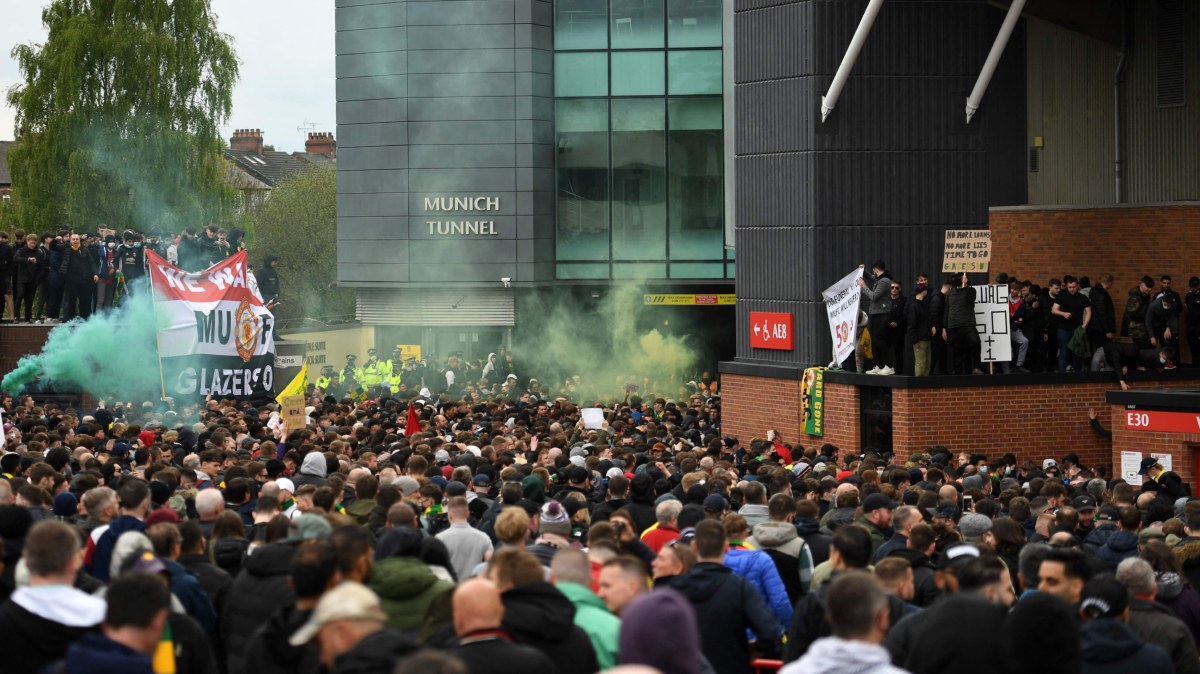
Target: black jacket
{"points": [[494, 653], [215, 581], [809, 622], [78, 264], [268, 279], [541, 616], [1104, 313], [818, 543], [726, 606], [268, 650], [30, 642], [918, 325], [377, 653], [955, 630], [937, 308], [259, 591], [28, 272], [925, 589], [1110, 647]]}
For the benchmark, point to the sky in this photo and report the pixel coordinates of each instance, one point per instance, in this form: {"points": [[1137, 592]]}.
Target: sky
{"points": [[287, 64]]}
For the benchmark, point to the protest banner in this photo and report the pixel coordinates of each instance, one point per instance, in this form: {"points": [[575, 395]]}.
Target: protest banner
{"points": [[214, 334], [991, 321], [841, 304], [967, 250]]}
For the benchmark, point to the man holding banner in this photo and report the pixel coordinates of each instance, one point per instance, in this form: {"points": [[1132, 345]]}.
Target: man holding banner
{"points": [[214, 333], [841, 305]]}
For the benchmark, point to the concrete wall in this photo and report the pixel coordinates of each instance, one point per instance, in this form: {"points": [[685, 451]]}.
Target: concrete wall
{"points": [[444, 99]]}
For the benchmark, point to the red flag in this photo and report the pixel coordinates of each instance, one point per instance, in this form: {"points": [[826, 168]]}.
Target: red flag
{"points": [[414, 422]]}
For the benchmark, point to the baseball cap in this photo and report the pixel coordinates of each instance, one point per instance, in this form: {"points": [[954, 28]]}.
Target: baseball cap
{"points": [[482, 481], [957, 555], [946, 511], [1103, 597], [1108, 513], [715, 503], [285, 484], [1147, 463], [310, 526], [348, 601], [407, 485], [1049, 463], [875, 502], [1083, 502]]}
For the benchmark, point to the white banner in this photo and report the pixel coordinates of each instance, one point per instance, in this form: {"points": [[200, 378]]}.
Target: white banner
{"points": [[841, 304], [991, 321], [215, 335]]}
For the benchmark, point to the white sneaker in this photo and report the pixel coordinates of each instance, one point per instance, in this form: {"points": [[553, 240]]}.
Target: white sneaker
{"points": [[874, 370], [885, 370]]}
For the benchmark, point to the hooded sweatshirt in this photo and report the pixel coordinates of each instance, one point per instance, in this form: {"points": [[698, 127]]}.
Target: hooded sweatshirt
{"points": [[782, 538], [1183, 600], [602, 627], [39, 623], [415, 601], [832, 655], [312, 470], [541, 616]]}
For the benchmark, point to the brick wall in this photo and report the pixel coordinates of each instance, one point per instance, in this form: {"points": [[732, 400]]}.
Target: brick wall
{"points": [[1127, 242], [1032, 421], [752, 405], [20, 340]]}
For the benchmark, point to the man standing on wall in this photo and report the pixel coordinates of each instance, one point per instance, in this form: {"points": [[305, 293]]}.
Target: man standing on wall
{"points": [[1074, 311], [879, 304], [960, 327]]}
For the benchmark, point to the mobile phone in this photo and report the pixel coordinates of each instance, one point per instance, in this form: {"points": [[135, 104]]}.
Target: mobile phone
{"points": [[968, 503]]}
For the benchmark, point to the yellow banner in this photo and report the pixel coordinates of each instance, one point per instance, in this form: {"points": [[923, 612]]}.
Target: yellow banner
{"points": [[295, 387], [409, 351], [689, 300]]}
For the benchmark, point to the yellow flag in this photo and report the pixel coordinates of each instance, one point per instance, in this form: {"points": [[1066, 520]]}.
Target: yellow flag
{"points": [[296, 386]]}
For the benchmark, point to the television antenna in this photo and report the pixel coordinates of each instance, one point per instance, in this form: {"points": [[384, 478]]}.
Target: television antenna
{"points": [[307, 127]]}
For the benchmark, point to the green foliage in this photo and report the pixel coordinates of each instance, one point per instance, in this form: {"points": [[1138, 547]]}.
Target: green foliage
{"points": [[119, 115], [298, 223]]}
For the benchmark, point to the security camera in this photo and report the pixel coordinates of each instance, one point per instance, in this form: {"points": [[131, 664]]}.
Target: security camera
{"points": [[507, 281]]}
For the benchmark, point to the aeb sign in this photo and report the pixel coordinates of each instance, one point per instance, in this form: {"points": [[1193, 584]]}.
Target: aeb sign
{"points": [[771, 330]]}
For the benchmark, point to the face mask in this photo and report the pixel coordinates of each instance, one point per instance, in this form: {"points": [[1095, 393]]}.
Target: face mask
{"points": [[137, 244], [111, 246], [920, 288], [1162, 361], [75, 246]]}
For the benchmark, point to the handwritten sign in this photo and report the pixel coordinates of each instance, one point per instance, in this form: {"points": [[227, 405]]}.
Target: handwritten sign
{"points": [[991, 322], [293, 412], [967, 250]]}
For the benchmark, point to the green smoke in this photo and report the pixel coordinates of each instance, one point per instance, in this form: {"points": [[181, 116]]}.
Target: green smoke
{"points": [[605, 348], [111, 354]]}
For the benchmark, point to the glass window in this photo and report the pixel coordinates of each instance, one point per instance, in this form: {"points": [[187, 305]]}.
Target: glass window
{"points": [[637, 73], [581, 136], [694, 23], [696, 182], [639, 271], [592, 270], [639, 179], [638, 24], [581, 24], [692, 72], [686, 270], [581, 74]]}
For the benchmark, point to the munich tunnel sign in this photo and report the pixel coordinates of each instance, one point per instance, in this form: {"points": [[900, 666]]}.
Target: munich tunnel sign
{"points": [[689, 300]]}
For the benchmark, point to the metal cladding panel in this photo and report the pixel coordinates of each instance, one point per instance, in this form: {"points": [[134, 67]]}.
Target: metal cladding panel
{"points": [[893, 167], [433, 308]]}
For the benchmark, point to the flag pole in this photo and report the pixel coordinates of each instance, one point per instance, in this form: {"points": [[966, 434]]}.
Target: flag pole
{"points": [[162, 377]]}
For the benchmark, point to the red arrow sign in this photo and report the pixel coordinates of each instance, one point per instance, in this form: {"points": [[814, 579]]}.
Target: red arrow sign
{"points": [[1170, 422], [771, 330]]}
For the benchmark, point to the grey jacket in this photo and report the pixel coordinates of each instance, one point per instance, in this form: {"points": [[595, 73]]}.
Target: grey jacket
{"points": [[878, 293]]}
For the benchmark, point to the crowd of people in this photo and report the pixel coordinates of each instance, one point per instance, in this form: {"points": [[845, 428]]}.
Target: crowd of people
{"points": [[58, 276], [1068, 325], [427, 533]]}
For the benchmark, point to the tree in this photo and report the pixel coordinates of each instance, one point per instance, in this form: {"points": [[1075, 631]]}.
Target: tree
{"points": [[298, 223], [119, 115]]}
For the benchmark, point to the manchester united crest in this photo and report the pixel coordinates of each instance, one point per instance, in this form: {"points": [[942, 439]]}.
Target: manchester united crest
{"points": [[249, 329]]}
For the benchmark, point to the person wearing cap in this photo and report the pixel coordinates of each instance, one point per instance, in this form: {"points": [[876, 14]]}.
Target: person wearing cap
{"points": [[1162, 319], [1153, 621], [1108, 645], [976, 528], [1105, 526], [348, 622], [966, 623], [479, 500], [876, 518], [1122, 543]]}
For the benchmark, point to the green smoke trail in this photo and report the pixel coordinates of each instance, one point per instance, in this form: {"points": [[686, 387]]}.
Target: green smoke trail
{"points": [[111, 354]]}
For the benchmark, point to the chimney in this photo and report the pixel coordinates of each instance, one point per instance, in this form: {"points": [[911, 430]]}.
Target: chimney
{"points": [[321, 142], [247, 140]]}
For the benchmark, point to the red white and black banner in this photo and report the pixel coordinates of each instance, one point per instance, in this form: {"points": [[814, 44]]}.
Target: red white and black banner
{"points": [[214, 333]]}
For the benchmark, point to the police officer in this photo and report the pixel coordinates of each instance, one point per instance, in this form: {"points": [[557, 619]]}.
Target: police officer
{"points": [[350, 365], [323, 380], [369, 375]]}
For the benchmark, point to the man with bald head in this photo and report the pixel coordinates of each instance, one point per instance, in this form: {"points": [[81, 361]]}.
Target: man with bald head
{"points": [[482, 645]]}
